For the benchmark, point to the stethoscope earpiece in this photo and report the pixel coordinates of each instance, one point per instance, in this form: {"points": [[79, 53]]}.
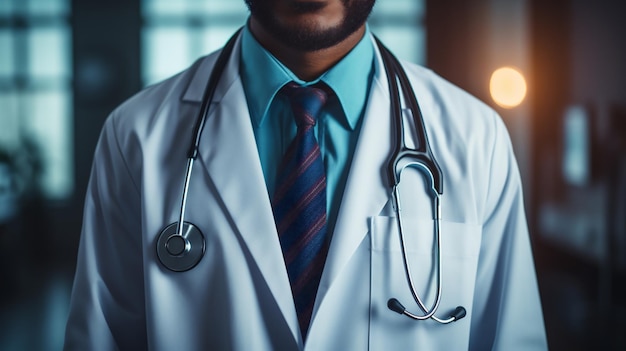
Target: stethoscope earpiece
{"points": [[396, 306], [180, 252]]}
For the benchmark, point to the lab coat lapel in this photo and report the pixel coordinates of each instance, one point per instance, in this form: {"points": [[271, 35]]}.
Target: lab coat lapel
{"points": [[229, 153], [366, 191]]}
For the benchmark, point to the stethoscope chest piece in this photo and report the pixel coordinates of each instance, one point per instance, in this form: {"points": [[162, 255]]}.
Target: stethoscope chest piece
{"points": [[180, 252]]}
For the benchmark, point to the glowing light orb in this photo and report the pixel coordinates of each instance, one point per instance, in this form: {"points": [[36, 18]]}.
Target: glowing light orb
{"points": [[507, 87]]}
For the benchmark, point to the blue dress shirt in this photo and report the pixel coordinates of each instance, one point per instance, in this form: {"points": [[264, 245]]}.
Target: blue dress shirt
{"points": [[338, 125]]}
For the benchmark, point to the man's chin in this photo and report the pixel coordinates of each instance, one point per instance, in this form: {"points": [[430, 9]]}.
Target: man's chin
{"points": [[312, 27]]}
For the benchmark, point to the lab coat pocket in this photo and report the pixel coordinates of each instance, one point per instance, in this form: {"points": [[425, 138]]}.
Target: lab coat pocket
{"points": [[460, 245]]}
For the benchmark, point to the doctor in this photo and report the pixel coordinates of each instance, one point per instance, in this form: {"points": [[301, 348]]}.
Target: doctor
{"points": [[240, 295]]}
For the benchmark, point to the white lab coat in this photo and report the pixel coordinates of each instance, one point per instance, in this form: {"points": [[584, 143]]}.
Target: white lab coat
{"points": [[238, 297]]}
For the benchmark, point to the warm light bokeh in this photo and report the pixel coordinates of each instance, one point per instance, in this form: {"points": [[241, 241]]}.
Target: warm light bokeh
{"points": [[507, 87]]}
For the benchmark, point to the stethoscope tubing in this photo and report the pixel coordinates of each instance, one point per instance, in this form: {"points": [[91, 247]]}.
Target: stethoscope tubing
{"points": [[186, 257], [426, 160], [183, 203], [209, 91], [422, 154], [428, 312]]}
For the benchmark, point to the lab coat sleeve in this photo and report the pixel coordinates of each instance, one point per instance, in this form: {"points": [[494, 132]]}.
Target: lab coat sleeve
{"points": [[107, 304], [507, 312]]}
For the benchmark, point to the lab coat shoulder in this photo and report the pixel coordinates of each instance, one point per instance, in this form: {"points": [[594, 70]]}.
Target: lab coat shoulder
{"points": [[107, 309], [472, 142]]}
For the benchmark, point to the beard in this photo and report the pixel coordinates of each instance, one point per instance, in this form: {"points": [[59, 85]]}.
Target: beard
{"points": [[307, 38]]}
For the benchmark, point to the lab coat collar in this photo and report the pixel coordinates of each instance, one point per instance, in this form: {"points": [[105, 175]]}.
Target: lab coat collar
{"points": [[229, 154], [198, 83]]}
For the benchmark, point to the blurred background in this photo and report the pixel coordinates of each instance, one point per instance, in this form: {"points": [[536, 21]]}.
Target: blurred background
{"points": [[65, 64]]}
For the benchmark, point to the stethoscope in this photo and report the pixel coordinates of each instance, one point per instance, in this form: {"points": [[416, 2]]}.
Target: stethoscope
{"points": [[181, 245]]}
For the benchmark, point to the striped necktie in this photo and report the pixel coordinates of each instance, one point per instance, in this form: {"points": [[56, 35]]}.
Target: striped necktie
{"points": [[299, 203]]}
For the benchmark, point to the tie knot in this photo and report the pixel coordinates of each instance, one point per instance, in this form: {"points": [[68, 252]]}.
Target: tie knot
{"points": [[306, 102]]}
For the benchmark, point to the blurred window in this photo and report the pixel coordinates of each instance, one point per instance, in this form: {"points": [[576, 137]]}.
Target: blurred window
{"points": [[575, 166], [176, 33], [400, 25], [35, 93]]}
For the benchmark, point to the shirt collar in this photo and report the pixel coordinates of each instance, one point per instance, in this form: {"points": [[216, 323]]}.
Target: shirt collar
{"points": [[263, 76]]}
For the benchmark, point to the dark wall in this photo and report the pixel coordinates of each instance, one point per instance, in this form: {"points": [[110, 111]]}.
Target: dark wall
{"points": [[106, 55], [456, 45]]}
